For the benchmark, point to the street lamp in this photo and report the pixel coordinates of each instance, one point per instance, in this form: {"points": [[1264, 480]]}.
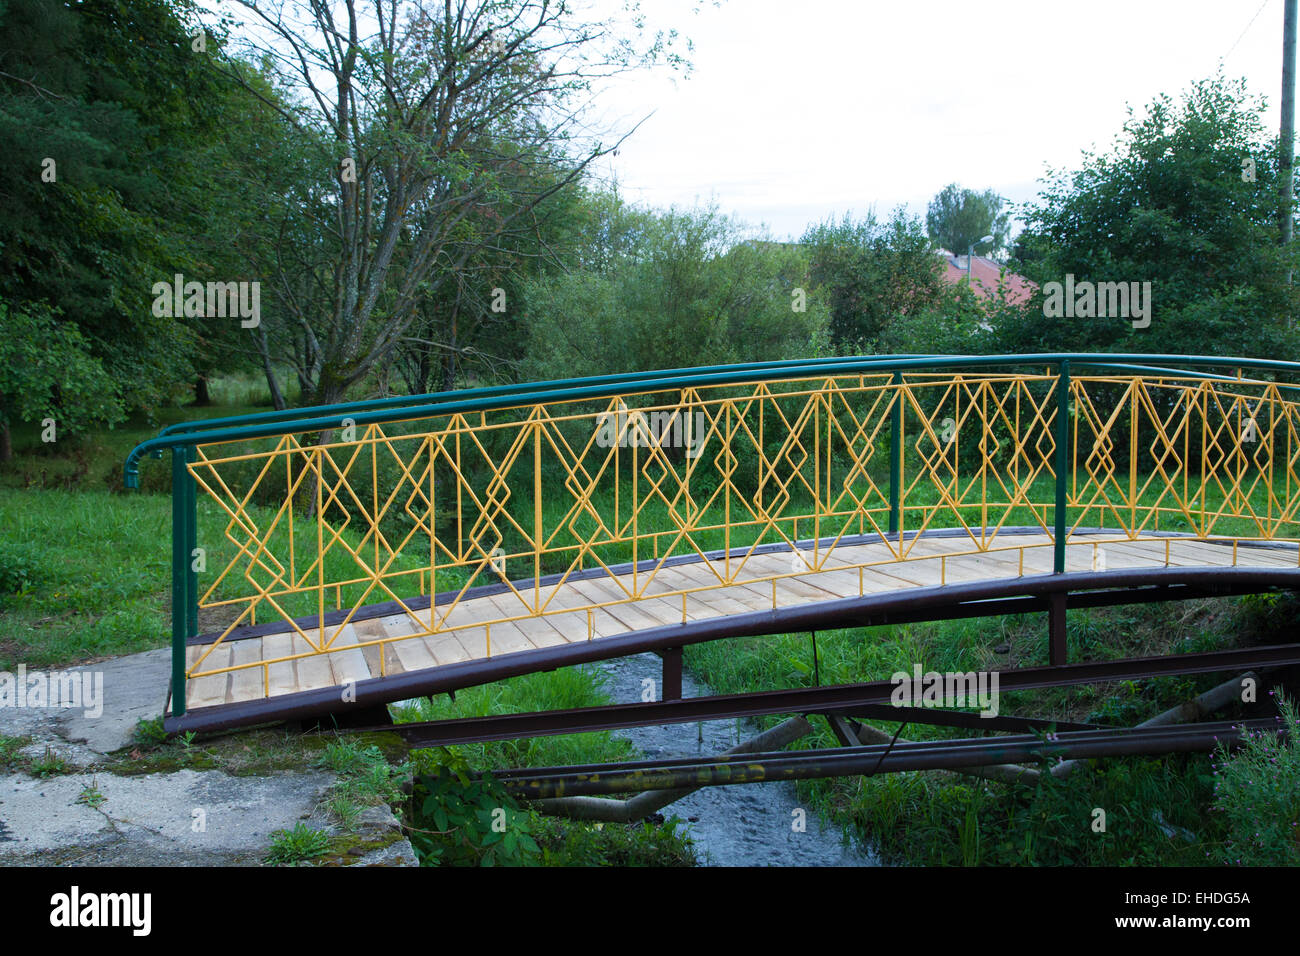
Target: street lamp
{"points": [[970, 252]]}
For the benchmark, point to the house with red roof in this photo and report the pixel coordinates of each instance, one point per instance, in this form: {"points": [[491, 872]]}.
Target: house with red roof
{"points": [[984, 275]]}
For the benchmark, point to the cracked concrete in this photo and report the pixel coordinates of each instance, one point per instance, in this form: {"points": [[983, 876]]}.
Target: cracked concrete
{"points": [[180, 817], [134, 689]]}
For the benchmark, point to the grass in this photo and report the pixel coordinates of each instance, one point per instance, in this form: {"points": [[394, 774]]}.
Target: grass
{"points": [[298, 845], [366, 779], [1257, 795]]}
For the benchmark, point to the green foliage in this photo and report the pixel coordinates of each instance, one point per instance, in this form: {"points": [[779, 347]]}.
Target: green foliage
{"points": [[149, 732], [91, 796], [1257, 792], [367, 779], [47, 370], [11, 751], [875, 278], [49, 764], [1169, 205], [144, 184], [466, 819], [297, 845], [958, 218], [565, 843], [343, 757], [19, 571], [669, 290], [1267, 618]]}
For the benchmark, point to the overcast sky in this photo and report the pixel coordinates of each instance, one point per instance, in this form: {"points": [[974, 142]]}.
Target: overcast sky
{"points": [[800, 109]]}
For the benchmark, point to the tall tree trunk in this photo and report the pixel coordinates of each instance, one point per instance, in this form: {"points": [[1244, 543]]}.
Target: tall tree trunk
{"points": [[6, 440], [277, 399], [202, 398]]}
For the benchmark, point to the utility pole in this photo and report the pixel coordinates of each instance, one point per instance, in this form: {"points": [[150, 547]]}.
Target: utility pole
{"points": [[1287, 163]]}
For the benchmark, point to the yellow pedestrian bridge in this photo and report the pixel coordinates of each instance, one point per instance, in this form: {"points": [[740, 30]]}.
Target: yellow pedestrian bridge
{"points": [[334, 557]]}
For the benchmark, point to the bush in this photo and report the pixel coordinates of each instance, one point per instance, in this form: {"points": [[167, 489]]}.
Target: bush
{"points": [[18, 572], [1257, 789]]}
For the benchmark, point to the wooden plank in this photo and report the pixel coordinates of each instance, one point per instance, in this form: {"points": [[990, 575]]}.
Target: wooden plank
{"points": [[346, 658], [573, 624], [283, 677], [414, 654], [372, 630], [207, 691], [539, 631], [474, 641], [730, 600], [1128, 554], [507, 638], [466, 613], [445, 649], [246, 683], [1221, 554], [406, 652], [630, 614], [314, 671]]}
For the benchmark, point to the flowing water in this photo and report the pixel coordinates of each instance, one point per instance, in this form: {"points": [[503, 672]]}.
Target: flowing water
{"points": [[744, 825]]}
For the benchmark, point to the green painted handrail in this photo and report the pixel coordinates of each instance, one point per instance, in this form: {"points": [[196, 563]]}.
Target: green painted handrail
{"points": [[482, 400], [437, 398]]}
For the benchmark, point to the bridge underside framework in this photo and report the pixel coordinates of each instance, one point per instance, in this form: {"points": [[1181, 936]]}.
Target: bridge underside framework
{"points": [[357, 555]]}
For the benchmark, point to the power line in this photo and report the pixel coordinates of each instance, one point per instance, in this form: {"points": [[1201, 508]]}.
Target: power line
{"points": [[1245, 31]]}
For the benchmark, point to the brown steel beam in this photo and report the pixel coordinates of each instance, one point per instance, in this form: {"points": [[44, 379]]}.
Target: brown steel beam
{"points": [[1057, 651], [672, 686], [588, 780], [839, 698]]}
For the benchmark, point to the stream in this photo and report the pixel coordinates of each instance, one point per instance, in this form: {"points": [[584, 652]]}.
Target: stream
{"points": [[744, 825]]}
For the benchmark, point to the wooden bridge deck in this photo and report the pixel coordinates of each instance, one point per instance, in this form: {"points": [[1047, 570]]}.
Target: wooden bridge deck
{"points": [[934, 559]]}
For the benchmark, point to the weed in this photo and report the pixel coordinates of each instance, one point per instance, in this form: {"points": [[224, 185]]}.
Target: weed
{"points": [[48, 764], [296, 845], [1257, 792], [149, 732], [91, 795]]}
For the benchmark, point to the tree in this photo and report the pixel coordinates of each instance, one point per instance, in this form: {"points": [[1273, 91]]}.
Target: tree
{"points": [[1185, 200], [427, 117], [958, 218], [669, 290], [872, 275], [48, 371], [113, 126]]}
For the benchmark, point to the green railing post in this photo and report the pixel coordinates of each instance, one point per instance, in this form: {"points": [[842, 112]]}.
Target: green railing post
{"points": [[191, 545], [1062, 461], [896, 457], [180, 576]]}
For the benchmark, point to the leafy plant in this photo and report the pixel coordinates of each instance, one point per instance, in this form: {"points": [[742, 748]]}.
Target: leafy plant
{"points": [[149, 732], [18, 571], [91, 795], [49, 764], [367, 779], [296, 845], [464, 820], [1257, 790]]}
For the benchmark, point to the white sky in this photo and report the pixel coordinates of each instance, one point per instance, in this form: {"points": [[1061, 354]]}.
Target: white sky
{"points": [[800, 109]]}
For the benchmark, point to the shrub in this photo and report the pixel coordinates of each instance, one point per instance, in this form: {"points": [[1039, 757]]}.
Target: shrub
{"points": [[1257, 789]]}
